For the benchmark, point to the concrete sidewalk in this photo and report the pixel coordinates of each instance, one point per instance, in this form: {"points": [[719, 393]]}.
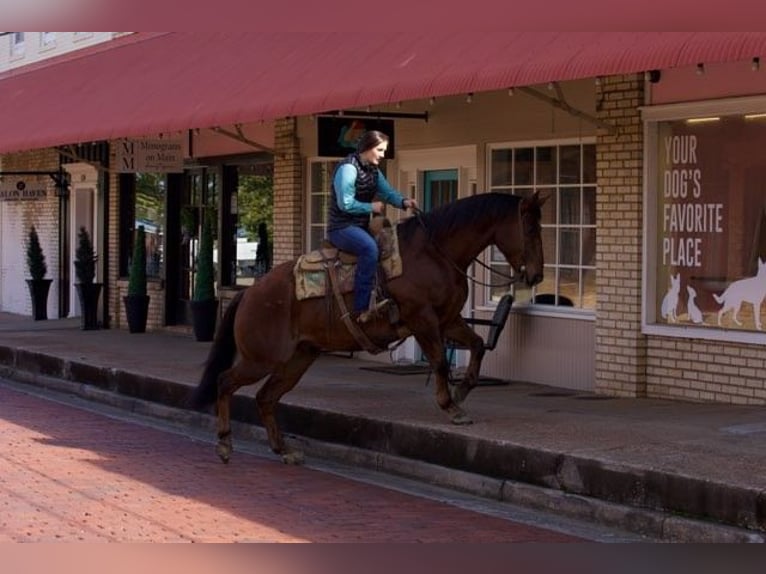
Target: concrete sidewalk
{"points": [[673, 471]]}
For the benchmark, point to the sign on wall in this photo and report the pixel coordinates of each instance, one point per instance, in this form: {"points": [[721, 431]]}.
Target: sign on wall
{"points": [[18, 189], [337, 136], [150, 155]]}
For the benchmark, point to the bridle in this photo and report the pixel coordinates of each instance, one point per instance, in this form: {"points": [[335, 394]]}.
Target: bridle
{"points": [[512, 279]]}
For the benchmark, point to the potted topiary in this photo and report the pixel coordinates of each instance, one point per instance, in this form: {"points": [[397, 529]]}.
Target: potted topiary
{"points": [[38, 285], [88, 291], [137, 301], [204, 305]]}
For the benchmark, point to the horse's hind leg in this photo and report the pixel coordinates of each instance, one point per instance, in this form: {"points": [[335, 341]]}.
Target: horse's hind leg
{"points": [[282, 381], [242, 374]]}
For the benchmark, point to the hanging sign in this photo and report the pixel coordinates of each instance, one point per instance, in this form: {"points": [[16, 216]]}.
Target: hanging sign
{"points": [[150, 155], [337, 136]]}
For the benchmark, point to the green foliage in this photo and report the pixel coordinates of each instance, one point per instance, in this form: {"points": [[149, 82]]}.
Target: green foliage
{"points": [[35, 256], [204, 281], [85, 258], [150, 196], [255, 203], [137, 276]]}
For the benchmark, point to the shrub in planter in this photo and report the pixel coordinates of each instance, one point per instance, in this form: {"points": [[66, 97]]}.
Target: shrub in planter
{"points": [[85, 272], [137, 301], [38, 285], [204, 305]]}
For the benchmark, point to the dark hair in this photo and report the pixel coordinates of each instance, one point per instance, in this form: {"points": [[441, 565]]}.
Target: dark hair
{"points": [[369, 140]]}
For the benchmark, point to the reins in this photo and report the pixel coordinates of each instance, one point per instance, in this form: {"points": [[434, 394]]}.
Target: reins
{"points": [[511, 278]]}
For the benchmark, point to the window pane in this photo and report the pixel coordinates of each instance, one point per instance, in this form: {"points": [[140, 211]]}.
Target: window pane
{"points": [[570, 205], [546, 166], [550, 253], [545, 291], [319, 208], [524, 158], [550, 209], [711, 223], [499, 281], [569, 285], [570, 246], [557, 172], [501, 167], [150, 213], [570, 164]]}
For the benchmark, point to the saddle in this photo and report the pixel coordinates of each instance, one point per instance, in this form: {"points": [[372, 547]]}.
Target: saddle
{"points": [[311, 270]]}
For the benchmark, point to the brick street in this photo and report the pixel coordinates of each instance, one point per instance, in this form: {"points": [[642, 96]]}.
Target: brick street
{"points": [[68, 474]]}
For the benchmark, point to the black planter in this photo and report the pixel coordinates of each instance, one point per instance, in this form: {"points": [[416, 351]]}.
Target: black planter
{"points": [[38, 289], [136, 310], [89, 293], [204, 315]]}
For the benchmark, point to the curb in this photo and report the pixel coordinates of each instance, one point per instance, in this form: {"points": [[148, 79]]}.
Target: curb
{"points": [[658, 505]]}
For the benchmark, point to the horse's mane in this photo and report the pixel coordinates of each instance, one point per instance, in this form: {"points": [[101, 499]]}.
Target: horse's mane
{"points": [[444, 221]]}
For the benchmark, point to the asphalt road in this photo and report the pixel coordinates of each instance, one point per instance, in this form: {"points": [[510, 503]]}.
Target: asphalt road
{"points": [[71, 470]]}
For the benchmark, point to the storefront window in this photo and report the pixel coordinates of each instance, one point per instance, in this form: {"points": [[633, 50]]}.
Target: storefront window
{"points": [[710, 242], [150, 213], [566, 172]]}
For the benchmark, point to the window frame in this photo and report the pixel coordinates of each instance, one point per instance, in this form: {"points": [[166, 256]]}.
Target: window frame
{"points": [[550, 267], [651, 117]]}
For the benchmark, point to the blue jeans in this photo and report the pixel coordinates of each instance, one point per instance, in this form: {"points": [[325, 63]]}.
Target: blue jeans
{"points": [[359, 242]]}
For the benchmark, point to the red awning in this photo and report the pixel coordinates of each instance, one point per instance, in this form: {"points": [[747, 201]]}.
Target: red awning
{"points": [[149, 83]]}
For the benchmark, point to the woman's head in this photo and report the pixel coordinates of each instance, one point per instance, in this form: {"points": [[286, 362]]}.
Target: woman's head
{"points": [[372, 146]]}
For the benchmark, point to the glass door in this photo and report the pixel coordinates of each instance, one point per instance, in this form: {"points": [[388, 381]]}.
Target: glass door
{"points": [[199, 199]]}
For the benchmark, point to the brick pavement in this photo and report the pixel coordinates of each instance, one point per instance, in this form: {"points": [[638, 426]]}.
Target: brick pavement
{"points": [[71, 475]]}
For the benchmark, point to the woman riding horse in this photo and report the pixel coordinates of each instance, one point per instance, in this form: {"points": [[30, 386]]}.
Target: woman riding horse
{"points": [[267, 332]]}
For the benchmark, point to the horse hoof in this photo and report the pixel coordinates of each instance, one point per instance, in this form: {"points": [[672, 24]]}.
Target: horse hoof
{"points": [[458, 416], [294, 457], [462, 419], [224, 452]]}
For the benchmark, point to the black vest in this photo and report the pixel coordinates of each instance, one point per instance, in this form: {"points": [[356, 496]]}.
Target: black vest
{"points": [[366, 185]]}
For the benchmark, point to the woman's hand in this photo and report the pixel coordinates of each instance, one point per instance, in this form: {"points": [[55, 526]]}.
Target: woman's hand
{"points": [[378, 207], [410, 203]]}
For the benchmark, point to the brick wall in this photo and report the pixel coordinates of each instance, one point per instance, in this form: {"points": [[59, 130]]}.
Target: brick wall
{"points": [[116, 307], [694, 370], [288, 192], [620, 346], [16, 219]]}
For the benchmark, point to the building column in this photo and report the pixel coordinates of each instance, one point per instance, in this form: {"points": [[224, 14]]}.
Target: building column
{"points": [[288, 192], [620, 346]]}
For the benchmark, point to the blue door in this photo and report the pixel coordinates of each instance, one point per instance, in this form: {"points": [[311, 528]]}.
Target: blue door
{"points": [[439, 187]]}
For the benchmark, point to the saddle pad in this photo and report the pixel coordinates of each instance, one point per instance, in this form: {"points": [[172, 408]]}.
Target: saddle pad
{"points": [[312, 280]]}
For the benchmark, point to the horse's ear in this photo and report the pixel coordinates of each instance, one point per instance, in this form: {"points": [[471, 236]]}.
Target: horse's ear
{"points": [[541, 199]]}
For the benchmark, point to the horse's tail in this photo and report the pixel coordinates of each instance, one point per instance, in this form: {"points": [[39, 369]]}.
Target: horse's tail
{"points": [[220, 358]]}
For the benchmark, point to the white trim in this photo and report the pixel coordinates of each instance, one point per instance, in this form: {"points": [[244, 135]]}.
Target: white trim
{"points": [[724, 106]]}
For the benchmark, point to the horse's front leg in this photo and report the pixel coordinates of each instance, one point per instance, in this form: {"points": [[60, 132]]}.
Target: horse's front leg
{"points": [[461, 333], [433, 348]]}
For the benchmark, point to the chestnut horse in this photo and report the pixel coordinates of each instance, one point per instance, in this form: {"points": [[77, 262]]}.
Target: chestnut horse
{"points": [[267, 331]]}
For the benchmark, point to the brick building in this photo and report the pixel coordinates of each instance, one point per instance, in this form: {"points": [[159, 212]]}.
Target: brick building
{"points": [[646, 142]]}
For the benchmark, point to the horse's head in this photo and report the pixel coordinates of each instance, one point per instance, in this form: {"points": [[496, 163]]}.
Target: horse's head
{"points": [[525, 253]]}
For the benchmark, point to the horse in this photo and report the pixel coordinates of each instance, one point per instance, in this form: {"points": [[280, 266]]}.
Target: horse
{"points": [[267, 331]]}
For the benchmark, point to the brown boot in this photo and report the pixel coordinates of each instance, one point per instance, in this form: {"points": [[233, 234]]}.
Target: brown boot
{"points": [[369, 314]]}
